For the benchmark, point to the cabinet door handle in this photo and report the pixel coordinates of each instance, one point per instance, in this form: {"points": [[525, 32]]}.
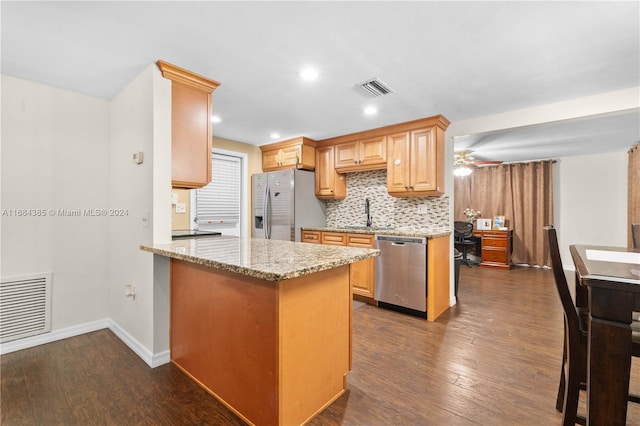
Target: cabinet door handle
{"points": [[411, 188], [406, 187]]}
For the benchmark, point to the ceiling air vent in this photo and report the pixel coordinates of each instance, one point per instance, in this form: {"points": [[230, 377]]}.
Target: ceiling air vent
{"points": [[376, 87]]}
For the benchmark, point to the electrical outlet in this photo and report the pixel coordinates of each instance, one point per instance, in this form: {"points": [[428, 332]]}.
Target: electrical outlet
{"points": [[130, 291], [181, 208], [423, 209]]}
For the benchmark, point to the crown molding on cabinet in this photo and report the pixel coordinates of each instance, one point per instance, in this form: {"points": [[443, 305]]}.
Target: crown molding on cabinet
{"points": [[188, 78]]}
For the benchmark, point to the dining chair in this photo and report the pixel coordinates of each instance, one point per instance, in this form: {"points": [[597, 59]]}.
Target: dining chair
{"points": [[635, 234], [573, 373], [464, 239]]}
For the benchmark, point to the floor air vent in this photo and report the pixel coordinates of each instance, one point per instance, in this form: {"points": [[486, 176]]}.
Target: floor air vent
{"points": [[376, 87], [25, 306]]}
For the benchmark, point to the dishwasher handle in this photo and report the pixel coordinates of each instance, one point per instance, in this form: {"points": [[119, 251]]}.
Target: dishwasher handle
{"points": [[398, 240]]}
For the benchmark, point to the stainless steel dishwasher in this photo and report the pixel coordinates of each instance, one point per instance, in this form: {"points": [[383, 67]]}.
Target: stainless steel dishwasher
{"points": [[401, 274]]}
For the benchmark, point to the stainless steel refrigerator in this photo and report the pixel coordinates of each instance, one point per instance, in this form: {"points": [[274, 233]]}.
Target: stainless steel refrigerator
{"points": [[284, 201]]}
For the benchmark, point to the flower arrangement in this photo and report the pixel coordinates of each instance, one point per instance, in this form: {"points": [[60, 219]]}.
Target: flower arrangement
{"points": [[471, 214]]}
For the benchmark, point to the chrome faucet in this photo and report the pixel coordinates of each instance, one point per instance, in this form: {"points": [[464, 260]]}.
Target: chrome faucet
{"points": [[368, 211]]}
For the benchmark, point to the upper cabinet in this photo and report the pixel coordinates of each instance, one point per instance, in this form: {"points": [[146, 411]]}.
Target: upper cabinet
{"points": [[191, 108], [415, 162], [364, 154], [297, 153], [330, 185], [412, 153]]}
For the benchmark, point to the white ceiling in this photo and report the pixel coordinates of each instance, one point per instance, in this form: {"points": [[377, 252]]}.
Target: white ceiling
{"points": [[459, 59]]}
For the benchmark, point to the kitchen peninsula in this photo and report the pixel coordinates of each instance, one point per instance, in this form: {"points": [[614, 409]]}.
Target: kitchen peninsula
{"points": [[263, 325]]}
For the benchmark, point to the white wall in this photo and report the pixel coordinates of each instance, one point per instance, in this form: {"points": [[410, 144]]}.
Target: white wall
{"points": [[137, 115], [590, 201], [55, 147], [590, 191], [61, 150]]}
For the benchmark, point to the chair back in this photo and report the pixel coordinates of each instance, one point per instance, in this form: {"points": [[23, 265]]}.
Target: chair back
{"points": [[570, 311], [635, 234], [462, 230]]}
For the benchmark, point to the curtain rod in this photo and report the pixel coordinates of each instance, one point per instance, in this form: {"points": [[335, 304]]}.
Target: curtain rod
{"points": [[526, 162]]}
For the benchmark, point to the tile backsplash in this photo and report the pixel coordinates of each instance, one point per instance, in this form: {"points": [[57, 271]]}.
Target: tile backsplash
{"points": [[385, 209]]}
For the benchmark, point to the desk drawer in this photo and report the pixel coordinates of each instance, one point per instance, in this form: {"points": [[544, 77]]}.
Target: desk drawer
{"points": [[494, 242], [494, 256], [496, 234]]}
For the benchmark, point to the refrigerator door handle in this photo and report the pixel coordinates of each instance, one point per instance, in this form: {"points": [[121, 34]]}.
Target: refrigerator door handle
{"points": [[267, 212]]}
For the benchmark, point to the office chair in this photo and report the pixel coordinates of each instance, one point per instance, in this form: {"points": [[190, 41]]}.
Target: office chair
{"points": [[463, 238]]}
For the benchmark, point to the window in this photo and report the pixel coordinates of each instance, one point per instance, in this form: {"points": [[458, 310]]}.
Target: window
{"points": [[218, 205]]}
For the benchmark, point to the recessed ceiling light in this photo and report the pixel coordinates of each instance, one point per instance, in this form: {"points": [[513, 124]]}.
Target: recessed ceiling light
{"points": [[215, 119], [275, 135], [370, 110], [308, 74]]}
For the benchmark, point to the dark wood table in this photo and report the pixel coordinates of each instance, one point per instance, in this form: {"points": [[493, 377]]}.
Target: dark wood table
{"points": [[611, 276]]}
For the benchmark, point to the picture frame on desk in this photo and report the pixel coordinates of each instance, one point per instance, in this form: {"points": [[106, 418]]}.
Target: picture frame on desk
{"points": [[499, 222], [483, 224]]}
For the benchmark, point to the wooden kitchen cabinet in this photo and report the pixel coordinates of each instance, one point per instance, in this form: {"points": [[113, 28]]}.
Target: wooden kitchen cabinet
{"points": [[297, 153], [330, 185], [311, 237], [496, 248], [415, 165], [191, 108], [365, 154], [334, 238], [361, 273]]}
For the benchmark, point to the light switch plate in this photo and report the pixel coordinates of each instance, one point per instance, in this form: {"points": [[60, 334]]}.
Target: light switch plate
{"points": [[145, 218], [181, 208]]}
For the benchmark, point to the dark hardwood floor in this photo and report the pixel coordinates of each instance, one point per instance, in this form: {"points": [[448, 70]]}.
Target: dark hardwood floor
{"points": [[493, 359]]}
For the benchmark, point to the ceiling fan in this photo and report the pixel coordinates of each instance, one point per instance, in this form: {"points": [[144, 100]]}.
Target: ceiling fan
{"points": [[463, 164]]}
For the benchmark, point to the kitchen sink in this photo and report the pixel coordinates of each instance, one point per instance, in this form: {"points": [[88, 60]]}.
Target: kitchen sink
{"points": [[371, 228]]}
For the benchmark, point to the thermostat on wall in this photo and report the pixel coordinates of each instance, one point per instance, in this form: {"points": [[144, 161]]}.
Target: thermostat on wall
{"points": [[138, 157]]}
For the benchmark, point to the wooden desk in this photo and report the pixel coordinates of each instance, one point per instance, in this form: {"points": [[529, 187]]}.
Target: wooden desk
{"points": [[613, 288], [496, 248]]}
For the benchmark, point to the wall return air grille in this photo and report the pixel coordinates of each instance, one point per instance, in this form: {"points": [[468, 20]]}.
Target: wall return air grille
{"points": [[376, 87], [25, 306]]}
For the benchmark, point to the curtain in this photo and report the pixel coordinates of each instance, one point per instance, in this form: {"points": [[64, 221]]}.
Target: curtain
{"points": [[633, 202], [523, 192]]}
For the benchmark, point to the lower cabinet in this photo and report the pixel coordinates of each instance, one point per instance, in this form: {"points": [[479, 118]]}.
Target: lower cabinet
{"points": [[361, 273]]}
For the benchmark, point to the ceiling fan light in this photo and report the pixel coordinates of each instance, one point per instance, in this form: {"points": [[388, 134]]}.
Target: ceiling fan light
{"points": [[462, 171]]}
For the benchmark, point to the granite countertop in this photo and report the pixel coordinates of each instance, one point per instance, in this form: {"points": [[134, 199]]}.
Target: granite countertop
{"points": [[270, 260], [401, 231]]}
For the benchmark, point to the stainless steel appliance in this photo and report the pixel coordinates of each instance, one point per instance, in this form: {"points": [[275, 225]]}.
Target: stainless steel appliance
{"points": [[401, 274], [283, 202]]}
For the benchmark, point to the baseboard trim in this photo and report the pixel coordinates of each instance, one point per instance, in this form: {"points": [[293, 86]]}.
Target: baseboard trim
{"points": [[55, 335], [151, 359]]}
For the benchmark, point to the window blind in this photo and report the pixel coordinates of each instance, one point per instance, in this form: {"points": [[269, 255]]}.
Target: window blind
{"points": [[219, 201]]}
